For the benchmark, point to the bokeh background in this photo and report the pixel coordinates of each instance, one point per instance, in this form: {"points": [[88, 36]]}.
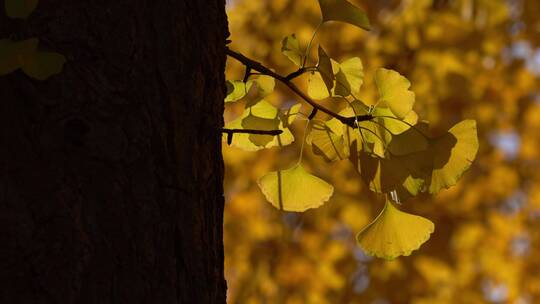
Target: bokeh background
{"points": [[476, 59]]}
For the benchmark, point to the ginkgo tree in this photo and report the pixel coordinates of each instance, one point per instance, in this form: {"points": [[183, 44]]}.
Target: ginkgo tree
{"points": [[393, 150]]}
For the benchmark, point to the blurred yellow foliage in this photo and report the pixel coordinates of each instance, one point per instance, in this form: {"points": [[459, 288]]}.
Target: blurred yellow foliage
{"points": [[465, 59]]}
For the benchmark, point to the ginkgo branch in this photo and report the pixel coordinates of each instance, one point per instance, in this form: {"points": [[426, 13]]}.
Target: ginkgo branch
{"points": [[257, 66], [251, 131], [299, 72]]}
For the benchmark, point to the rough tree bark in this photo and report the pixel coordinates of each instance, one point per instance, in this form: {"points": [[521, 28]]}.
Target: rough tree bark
{"points": [[111, 172]]}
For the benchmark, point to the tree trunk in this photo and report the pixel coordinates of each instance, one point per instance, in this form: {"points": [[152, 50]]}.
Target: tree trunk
{"points": [[111, 172]]}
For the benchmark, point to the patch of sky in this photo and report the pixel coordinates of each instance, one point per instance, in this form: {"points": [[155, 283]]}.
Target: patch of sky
{"points": [[508, 142]]}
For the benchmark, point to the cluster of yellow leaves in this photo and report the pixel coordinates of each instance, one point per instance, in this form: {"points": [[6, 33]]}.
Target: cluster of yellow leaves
{"points": [[458, 56]]}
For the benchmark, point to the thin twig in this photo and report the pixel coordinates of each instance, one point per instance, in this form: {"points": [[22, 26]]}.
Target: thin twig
{"points": [[257, 66], [250, 131]]}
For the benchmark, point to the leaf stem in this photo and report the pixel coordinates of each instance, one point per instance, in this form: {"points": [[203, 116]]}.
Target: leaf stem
{"points": [[308, 49], [303, 142]]}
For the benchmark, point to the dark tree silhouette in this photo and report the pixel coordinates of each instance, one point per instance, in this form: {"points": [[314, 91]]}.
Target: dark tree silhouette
{"points": [[111, 172]]}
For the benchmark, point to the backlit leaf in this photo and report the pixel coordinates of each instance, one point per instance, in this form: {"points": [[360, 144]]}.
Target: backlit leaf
{"points": [[294, 189], [350, 77], [325, 68], [260, 87], [394, 233], [317, 88], [453, 154], [394, 92], [344, 11], [236, 90], [262, 116], [287, 117], [326, 139], [291, 48], [405, 174]]}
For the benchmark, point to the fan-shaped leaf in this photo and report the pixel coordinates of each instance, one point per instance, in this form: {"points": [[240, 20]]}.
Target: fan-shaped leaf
{"points": [[287, 117], [394, 92], [317, 88], [405, 174], [291, 48], [260, 87], [453, 153], [349, 77], [394, 233], [262, 116], [341, 10], [327, 140], [236, 90], [294, 189], [325, 68]]}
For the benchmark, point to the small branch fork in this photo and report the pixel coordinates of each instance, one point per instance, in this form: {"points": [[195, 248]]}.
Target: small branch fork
{"points": [[230, 133], [287, 80]]}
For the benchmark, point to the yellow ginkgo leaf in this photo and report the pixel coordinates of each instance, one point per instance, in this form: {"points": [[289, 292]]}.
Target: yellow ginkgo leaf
{"points": [[262, 116], [453, 153], [344, 11], [236, 90], [260, 87], [394, 92], [288, 116], [325, 68], [327, 140], [413, 140], [394, 233], [291, 48], [294, 189], [349, 77], [317, 88], [404, 174]]}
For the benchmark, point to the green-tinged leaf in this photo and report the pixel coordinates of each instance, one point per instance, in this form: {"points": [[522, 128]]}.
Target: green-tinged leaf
{"points": [[378, 132], [394, 92], [317, 89], [394, 233], [287, 117], [341, 10], [44, 65], [350, 77], [291, 48], [295, 189], [453, 154], [236, 90], [260, 87], [327, 140], [20, 8], [262, 116], [325, 69]]}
